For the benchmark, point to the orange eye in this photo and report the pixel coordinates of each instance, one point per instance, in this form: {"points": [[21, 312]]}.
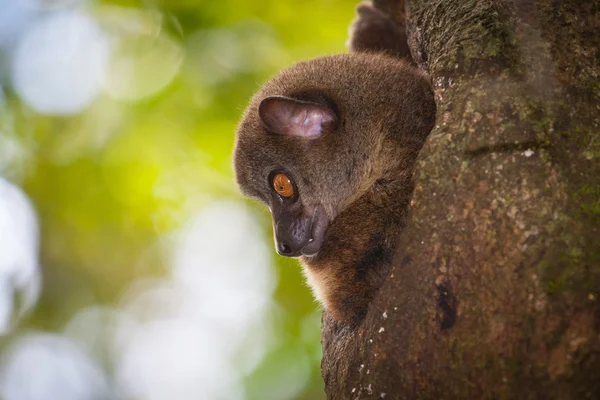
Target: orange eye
{"points": [[283, 186]]}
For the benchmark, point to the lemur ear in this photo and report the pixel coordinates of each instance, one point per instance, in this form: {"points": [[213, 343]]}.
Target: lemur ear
{"points": [[287, 116]]}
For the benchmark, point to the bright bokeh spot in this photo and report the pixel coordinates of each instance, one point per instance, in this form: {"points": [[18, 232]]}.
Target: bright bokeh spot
{"points": [[176, 359], [196, 320], [97, 332], [53, 368], [219, 54], [145, 59], [225, 266], [19, 273], [59, 62], [45, 5]]}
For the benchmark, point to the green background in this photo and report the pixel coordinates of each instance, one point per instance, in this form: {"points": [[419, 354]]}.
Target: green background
{"points": [[110, 182]]}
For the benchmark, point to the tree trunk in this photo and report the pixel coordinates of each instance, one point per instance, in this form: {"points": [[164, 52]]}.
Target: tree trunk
{"points": [[495, 291]]}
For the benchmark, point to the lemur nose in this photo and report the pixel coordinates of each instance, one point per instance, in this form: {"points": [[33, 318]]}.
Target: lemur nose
{"points": [[283, 249]]}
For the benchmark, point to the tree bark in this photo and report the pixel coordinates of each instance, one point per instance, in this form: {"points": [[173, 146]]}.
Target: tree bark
{"points": [[495, 291]]}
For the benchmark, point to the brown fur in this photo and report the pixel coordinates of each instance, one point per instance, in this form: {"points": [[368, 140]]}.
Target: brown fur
{"points": [[374, 30], [360, 173]]}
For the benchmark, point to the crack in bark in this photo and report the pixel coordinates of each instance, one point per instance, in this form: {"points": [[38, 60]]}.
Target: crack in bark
{"points": [[447, 306], [506, 148]]}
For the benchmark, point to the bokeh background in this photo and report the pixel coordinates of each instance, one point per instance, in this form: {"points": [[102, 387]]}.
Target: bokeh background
{"points": [[130, 267]]}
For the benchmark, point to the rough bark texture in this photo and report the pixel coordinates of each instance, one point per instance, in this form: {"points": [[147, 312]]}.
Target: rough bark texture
{"points": [[494, 293]]}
